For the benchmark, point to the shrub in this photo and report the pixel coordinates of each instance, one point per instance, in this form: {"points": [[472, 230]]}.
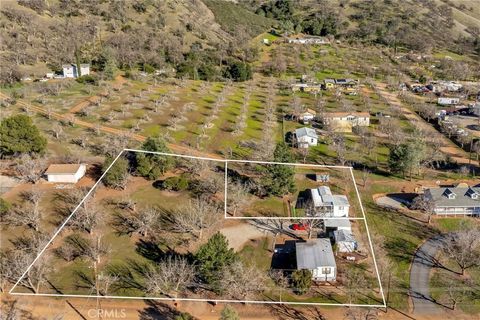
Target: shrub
{"points": [[302, 280], [148, 68], [176, 183], [87, 79]]}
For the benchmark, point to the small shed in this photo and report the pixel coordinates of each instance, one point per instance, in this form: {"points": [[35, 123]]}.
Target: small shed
{"points": [[344, 240], [65, 173], [317, 256]]}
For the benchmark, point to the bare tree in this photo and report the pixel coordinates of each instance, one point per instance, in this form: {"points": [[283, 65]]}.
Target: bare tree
{"points": [[361, 314], [36, 275], [457, 291], [239, 281], [195, 216], [280, 280], [356, 283], [57, 130], [463, 247], [314, 222], [170, 277], [238, 196], [29, 213], [145, 221], [87, 217], [30, 169], [425, 204], [365, 175]]}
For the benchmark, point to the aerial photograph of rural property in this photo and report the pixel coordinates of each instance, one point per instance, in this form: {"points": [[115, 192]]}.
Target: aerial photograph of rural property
{"points": [[240, 159]]}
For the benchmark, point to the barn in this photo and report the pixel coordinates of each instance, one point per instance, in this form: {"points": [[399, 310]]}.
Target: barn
{"points": [[65, 173]]}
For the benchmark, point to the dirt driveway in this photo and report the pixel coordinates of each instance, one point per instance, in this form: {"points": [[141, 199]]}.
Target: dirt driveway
{"points": [[240, 233]]}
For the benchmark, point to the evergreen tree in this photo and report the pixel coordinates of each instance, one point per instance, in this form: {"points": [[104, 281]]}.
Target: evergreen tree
{"points": [[279, 179], [407, 157], [19, 135], [116, 176], [302, 280], [212, 257], [152, 166], [229, 313]]}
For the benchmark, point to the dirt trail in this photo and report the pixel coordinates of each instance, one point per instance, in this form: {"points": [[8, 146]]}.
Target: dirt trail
{"points": [[71, 118], [119, 81], [448, 147]]}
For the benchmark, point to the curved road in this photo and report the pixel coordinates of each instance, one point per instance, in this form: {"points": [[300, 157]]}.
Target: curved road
{"points": [[423, 262]]}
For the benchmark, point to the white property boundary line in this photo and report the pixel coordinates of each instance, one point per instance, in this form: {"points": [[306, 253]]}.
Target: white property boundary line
{"points": [[225, 161], [293, 165]]}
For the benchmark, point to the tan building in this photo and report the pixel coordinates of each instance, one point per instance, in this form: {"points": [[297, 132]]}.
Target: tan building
{"points": [[65, 173], [345, 121]]}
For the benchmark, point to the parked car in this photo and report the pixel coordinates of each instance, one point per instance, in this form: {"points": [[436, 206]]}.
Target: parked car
{"points": [[299, 227]]}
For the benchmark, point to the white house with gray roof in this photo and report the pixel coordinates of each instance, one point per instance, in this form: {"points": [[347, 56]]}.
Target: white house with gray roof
{"points": [[329, 205], [455, 200], [317, 256], [306, 137]]}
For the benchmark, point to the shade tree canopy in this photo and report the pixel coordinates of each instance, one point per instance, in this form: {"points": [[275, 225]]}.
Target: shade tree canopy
{"points": [[19, 135]]}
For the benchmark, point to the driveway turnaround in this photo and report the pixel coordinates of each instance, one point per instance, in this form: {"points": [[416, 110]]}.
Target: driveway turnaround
{"points": [[423, 262]]}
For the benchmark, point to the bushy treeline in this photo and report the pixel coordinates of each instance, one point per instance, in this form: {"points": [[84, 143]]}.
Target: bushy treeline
{"points": [[420, 25], [320, 23], [111, 35]]}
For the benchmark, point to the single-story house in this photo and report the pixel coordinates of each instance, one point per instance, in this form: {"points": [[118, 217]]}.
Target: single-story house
{"points": [[317, 256], [329, 83], [345, 121], [299, 86], [344, 240], [65, 173], [346, 82], [455, 200], [337, 224], [306, 137], [72, 71], [329, 205], [307, 116], [448, 101]]}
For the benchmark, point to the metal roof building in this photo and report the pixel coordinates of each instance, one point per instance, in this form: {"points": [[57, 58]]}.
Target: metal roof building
{"points": [[317, 256]]}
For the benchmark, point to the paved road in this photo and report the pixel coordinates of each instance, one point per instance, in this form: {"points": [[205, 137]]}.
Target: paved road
{"points": [[423, 262]]}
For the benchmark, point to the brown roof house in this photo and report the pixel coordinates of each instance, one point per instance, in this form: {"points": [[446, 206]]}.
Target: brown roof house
{"points": [[65, 173]]}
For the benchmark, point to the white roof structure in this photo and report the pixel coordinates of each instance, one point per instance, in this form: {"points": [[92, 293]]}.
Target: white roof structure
{"points": [[314, 254], [306, 132], [338, 223], [343, 236], [323, 197]]}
